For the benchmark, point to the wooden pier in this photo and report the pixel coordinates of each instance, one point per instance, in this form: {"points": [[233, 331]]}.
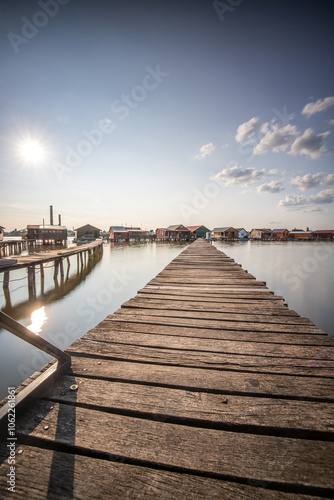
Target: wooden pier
{"points": [[205, 385], [12, 247], [37, 260]]}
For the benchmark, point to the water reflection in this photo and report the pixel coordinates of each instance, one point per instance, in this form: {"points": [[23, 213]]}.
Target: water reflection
{"points": [[59, 287], [38, 318]]}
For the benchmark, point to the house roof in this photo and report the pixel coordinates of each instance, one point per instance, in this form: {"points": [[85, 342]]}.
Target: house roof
{"points": [[46, 226], [176, 226], [194, 228], [324, 231], [117, 228], [300, 231], [1, 227], [240, 229], [280, 230], [88, 226], [222, 229]]}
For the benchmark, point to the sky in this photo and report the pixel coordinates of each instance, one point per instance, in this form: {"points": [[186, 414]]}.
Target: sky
{"points": [[153, 113]]}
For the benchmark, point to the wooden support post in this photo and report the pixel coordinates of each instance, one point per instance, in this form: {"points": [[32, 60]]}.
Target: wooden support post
{"points": [[6, 280], [7, 299], [68, 268], [31, 282], [61, 265], [55, 274], [81, 260], [42, 277]]}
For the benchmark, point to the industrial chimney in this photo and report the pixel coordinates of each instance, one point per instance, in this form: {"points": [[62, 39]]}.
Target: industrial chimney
{"points": [[51, 215], [59, 220]]}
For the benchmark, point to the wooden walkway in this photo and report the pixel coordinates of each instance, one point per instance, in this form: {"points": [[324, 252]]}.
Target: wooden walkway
{"points": [[38, 258], [205, 385]]}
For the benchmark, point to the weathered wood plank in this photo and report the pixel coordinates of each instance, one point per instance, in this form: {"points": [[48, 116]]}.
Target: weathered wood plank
{"points": [[297, 462], [194, 378], [208, 307], [161, 319], [212, 316], [259, 349], [211, 282], [216, 292], [67, 476], [202, 359], [295, 338], [207, 298], [269, 416]]}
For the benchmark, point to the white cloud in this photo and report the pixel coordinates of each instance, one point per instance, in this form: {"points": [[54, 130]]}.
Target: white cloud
{"points": [[276, 139], [293, 202], [271, 187], [224, 146], [247, 129], [308, 181], [273, 171], [205, 150], [329, 181], [326, 196], [331, 122], [236, 175], [310, 144], [320, 105], [299, 202]]}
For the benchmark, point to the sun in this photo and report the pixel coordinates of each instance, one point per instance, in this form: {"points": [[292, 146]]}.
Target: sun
{"points": [[32, 151]]}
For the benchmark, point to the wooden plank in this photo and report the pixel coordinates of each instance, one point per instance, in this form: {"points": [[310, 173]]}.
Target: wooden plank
{"points": [[193, 378], [161, 319], [213, 307], [299, 463], [205, 281], [277, 318], [202, 359], [268, 416], [207, 298], [316, 340], [207, 290], [67, 475], [260, 349]]}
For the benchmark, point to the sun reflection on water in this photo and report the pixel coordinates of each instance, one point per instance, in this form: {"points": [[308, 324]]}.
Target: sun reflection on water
{"points": [[38, 318]]}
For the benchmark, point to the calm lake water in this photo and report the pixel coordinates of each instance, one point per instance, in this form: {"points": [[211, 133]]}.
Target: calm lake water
{"points": [[302, 272]]}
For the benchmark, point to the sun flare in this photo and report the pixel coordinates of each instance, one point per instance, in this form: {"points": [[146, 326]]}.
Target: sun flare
{"points": [[32, 151]]}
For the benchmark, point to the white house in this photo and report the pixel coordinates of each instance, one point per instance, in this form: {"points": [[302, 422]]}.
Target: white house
{"points": [[1, 232], [242, 233]]}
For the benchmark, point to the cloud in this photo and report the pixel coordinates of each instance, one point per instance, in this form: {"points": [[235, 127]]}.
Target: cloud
{"points": [[329, 181], [310, 144], [247, 129], [299, 202], [326, 196], [275, 139], [205, 150], [293, 202], [271, 187], [308, 181], [224, 146], [273, 171], [236, 175], [331, 122], [320, 105]]}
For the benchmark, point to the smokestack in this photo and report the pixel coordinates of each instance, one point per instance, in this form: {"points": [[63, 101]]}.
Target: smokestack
{"points": [[51, 215], [59, 220]]}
